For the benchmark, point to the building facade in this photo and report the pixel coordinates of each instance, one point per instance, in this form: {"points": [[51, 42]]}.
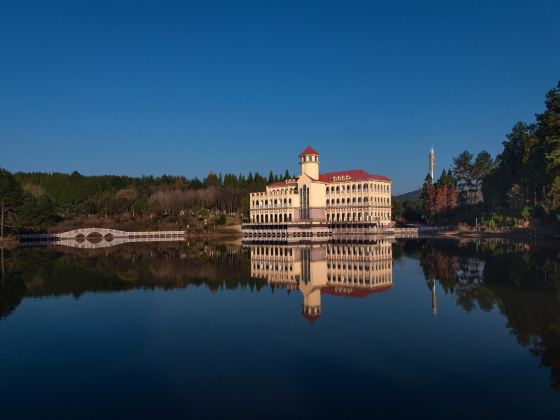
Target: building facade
{"points": [[352, 270], [352, 197]]}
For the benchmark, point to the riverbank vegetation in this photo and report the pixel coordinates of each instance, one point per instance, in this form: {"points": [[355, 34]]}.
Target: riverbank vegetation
{"points": [[40, 201], [518, 187]]}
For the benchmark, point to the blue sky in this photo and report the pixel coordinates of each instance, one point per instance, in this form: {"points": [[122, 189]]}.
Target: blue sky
{"points": [[133, 87]]}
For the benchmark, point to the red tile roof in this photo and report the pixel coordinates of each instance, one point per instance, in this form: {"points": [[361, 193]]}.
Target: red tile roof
{"points": [[354, 292], [338, 176], [353, 175], [309, 151], [311, 318], [289, 183]]}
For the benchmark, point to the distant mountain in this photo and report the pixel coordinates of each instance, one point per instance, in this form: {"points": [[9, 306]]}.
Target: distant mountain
{"points": [[409, 196]]}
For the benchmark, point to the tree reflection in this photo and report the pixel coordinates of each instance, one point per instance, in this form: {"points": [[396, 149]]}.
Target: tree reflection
{"points": [[521, 281], [55, 272]]}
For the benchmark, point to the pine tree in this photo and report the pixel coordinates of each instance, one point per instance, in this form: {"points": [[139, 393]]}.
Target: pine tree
{"points": [[11, 197]]}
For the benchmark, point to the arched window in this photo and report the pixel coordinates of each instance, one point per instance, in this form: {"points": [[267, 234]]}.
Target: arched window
{"points": [[266, 218], [290, 217]]}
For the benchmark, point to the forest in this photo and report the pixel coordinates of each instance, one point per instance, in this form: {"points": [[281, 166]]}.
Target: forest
{"points": [[37, 201], [518, 187]]}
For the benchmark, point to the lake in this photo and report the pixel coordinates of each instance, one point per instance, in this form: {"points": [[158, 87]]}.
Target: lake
{"points": [[378, 328]]}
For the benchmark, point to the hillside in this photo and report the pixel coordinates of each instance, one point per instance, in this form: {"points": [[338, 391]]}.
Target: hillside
{"points": [[409, 196]]}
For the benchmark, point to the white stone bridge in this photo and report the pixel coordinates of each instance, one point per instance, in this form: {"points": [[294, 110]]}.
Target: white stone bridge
{"points": [[99, 237]]}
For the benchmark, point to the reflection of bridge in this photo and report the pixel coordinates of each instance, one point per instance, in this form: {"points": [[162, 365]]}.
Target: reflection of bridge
{"points": [[92, 238]]}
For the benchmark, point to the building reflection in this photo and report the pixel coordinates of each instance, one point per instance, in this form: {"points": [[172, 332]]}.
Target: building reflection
{"points": [[342, 269]]}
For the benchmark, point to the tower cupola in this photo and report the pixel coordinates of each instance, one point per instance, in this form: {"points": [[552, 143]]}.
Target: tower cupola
{"points": [[309, 162]]}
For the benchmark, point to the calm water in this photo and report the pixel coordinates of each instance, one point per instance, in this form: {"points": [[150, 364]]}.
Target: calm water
{"points": [[403, 329]]}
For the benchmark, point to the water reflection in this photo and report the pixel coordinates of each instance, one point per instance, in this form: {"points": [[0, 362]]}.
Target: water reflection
{"points": [[353, 270], [58, 271], [521, 281]]}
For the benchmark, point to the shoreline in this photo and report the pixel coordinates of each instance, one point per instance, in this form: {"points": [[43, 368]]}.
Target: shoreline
{"points": [[511, 235]]}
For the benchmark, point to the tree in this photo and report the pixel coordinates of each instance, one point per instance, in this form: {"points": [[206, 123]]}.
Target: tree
{"points": [[440, 199], [396, 209], [11, 197], [221, 220], [549, 132], [452, 197], [445, 178], [482, 167], [35, 213], [515, 198], [211, 180], [426, 196], [463, 173], [519, 163]]}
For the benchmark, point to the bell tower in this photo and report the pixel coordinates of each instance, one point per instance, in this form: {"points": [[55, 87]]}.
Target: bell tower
{"points": [[309, 162]]}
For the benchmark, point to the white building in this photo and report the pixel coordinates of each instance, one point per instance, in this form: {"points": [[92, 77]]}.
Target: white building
{"points": [[342, 198]]}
